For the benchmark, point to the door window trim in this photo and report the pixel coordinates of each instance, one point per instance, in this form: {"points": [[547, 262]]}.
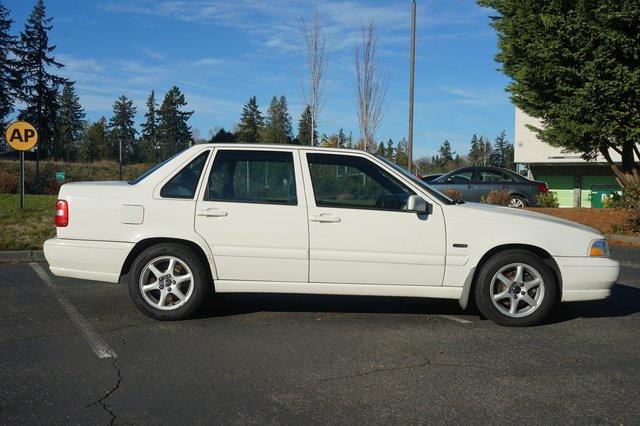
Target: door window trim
{"points": [[205, 187], [379, 209]]}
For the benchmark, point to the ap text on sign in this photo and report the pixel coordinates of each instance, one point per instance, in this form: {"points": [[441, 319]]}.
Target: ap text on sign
{"points": [[21, 136]]}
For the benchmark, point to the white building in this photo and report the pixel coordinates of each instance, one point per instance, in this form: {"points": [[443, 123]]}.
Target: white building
{"points": [[567, 173]]}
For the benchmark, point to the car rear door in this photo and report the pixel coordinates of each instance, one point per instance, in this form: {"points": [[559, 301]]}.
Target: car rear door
{"points": [[253, 215], [359, 229]]}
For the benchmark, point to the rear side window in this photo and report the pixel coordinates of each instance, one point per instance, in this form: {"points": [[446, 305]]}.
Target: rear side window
{"points": [[184, 184], [354, 182], [253, 177]]}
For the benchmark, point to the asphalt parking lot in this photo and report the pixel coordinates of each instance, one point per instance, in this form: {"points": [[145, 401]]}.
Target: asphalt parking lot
{"points": [[78, 352]]}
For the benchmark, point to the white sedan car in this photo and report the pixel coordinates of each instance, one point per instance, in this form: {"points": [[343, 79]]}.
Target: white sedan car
{"points": [[292, 219]]}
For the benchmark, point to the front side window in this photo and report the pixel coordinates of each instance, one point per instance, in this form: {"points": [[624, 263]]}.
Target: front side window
{"points": [[355, 182], [185, 183], [253, 177], [462, 177]]}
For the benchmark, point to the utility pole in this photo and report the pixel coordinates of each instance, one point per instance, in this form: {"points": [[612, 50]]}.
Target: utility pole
{"points": [[411, 82]]}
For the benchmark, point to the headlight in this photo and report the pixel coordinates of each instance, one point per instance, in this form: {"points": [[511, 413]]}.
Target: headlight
{"points": [[599, 248]]}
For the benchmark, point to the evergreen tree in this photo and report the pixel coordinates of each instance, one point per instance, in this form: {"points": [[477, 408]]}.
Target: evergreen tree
{"points": [[474, 152], [95, 145], [389, 152], [122, 133], [304, 128], [402, 153], [9, 72], [149, 137], [222, 136], [174, 134], [71, 123], [39, 86], [500, 148], [342, 139], [575, 65], [278, 123], [251, 123], [381, 150], [445, 153]]}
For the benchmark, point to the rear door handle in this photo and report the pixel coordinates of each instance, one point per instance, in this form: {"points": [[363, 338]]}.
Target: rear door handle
{"points": [[212, 213], [324, 218]]}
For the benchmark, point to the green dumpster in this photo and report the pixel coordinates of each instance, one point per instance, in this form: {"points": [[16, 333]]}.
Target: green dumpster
{"points": [[599, 193]]}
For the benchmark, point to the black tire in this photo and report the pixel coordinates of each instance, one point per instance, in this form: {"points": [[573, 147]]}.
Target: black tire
{"points": [[518, 199], [201, 282], [484, 292]]}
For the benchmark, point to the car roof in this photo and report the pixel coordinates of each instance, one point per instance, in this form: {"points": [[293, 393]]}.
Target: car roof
{"points": [[281, 146]]}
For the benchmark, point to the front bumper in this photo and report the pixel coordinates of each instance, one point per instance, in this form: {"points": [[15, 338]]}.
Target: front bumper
{"points": [[90, 260], [587, 278]]}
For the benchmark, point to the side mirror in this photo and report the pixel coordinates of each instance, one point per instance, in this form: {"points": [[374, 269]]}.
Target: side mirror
{"points": [[417, 204]]}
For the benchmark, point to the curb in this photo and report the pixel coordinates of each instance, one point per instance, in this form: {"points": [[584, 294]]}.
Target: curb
{"points": [[625, 238], [21, 256]]}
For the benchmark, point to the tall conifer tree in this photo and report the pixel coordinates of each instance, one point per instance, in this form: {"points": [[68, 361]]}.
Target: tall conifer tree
{"points": [[39, 86], [71, 123], [9, 72], [251, 123], [174, 133]]}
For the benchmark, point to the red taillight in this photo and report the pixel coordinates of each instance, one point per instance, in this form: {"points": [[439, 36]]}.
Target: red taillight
{"points": [[542, 187], [62, 213]]}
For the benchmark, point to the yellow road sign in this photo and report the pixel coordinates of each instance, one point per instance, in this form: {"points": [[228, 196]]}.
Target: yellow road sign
{"points": [[21, 136]]}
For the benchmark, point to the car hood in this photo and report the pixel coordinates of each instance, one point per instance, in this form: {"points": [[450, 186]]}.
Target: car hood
{"points": [[512, 215]]}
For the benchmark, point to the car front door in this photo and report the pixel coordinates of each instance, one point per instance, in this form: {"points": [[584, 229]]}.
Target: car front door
{"points": [[254, 216], [460, 181], [360, 231]]}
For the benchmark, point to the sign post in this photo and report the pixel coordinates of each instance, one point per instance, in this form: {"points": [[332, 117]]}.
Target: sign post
{"points": [[22, 137]]}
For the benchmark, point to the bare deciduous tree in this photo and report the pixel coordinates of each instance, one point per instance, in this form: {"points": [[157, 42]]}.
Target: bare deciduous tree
{"points": [[316, 63], [371, 85]]}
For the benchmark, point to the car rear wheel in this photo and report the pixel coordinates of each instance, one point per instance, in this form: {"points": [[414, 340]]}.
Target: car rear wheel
{"points": [[168, 282], [515, 288], [517, 202]]}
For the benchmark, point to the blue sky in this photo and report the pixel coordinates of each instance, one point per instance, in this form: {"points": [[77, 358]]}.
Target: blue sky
{"points": [[222, 52]]}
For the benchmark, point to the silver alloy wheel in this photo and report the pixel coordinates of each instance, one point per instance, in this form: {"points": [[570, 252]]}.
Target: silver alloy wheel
{"points": [[166, 283], [517, 290], [516, 202]]}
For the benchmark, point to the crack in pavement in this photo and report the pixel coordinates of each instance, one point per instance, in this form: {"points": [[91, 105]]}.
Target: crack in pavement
{"points": [[102, 400]]}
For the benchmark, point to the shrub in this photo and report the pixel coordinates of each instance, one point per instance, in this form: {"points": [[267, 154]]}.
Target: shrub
{"points": [[498, 197], [548, 199], [454, 194], [74, 172], [631, 201], [9, 182], [614, 201]]}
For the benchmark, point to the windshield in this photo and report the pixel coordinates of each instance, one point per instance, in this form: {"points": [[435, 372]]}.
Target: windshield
{"points": [[151, 170], [437, 194]]}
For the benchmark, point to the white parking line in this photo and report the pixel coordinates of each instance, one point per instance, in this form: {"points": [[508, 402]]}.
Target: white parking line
{"points": [[455, 319], [99, 346]]}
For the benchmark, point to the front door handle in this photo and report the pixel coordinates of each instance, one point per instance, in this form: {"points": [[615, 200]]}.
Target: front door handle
{"points": [[212, 213], [325, 218]]}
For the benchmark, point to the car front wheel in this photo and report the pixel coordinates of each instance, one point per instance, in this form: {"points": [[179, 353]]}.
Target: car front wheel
{"points": [[168, 282], [515, 288]]}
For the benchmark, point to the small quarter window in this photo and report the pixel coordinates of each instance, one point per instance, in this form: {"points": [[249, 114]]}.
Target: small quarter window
{"points": [[185, 183], [253, 177]]}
